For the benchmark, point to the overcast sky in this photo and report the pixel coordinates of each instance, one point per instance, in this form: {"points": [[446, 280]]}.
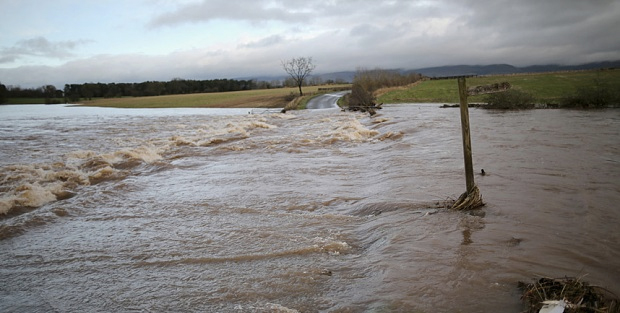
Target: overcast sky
{"points": [[77, 41]]}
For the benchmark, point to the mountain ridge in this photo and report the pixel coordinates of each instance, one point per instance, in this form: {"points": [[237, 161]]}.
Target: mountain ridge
{"points": [[490, 69], [495, 69], [460, 70]]}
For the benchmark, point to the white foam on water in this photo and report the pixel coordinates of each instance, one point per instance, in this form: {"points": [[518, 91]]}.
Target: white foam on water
{"points": [[34, 185], [267, 307], [221, 131], [334, 247], [350, 130], [6, 203]]}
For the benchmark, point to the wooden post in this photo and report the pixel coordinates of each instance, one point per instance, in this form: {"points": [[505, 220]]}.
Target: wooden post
{"points": [[469, 168]]}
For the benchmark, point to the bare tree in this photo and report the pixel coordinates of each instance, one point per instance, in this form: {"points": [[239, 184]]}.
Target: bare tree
{"points": [[298, 69]]}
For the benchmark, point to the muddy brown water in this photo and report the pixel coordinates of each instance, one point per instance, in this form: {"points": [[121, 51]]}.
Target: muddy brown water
{"points": [[310, 211]]}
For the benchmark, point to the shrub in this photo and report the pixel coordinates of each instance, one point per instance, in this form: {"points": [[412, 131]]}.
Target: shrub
{"points": [[367, 82], [361, 97], [290, 97], [509, 100], [599, 95]]}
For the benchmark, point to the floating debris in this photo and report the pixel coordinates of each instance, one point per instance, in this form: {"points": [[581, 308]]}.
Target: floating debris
{"points": [[469, 200], [571, 294]]}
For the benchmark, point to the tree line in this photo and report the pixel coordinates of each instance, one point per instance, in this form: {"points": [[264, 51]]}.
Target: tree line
{"points": [[48, 92], [75, 92]]}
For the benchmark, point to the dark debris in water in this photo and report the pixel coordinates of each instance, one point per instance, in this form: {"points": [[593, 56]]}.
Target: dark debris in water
{"points": [[469, 200], [513, 242], [578, 295]]}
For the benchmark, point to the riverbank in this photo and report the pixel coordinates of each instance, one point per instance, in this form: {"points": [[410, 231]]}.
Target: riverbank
{"points": [[546, 88]]}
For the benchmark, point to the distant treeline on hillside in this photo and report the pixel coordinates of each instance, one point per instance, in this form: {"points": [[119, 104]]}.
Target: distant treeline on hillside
{"points": [[502, 69], [75, 92]]}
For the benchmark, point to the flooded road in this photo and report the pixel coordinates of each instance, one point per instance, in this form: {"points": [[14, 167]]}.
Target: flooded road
{"points": [[111, 210], [326, 101]]}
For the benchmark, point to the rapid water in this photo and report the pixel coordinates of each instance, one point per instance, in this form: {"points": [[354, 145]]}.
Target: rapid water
{"points": [[112, 210]]}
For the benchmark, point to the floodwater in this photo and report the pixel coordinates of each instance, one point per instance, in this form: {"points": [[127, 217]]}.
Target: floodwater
{"points": [[112, 210]]}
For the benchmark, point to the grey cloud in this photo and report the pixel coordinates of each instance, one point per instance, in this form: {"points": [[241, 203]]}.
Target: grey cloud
{"points": [[541, 22], [39, 47], [206, 10], [362, 30], [533, 13], [346, 34], [532, 32], [7, 58], [264, 42]]}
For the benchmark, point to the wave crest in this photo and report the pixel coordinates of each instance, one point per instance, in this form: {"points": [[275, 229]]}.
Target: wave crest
{"points": [[35, 185]]}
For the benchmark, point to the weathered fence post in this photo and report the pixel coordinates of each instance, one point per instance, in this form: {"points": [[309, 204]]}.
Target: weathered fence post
{"points": [[471, 198], [469, 169]]}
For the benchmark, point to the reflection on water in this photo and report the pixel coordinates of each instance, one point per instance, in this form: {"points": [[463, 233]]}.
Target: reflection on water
{"points": [[225, 211]]}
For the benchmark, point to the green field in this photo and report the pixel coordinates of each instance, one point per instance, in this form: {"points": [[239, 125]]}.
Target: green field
{"points": [[260, 98], [545, 87]]}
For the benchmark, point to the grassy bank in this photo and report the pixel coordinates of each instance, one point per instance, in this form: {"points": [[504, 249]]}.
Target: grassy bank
{"points": [[544, 87], [263, 98]]}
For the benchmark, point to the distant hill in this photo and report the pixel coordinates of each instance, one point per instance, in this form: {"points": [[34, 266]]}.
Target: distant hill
{"points": [[554, 68], [495, 69], [346, 76], [458, 70]]}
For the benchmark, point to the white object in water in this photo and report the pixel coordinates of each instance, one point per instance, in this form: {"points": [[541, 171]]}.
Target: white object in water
{"points": [[553, 306]]}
